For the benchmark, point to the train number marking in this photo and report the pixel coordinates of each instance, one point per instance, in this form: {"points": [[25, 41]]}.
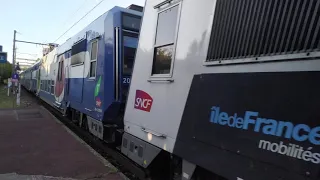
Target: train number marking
{"points": [[126, 80]]}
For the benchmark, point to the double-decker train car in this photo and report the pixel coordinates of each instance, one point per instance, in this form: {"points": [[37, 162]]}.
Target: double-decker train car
{"points": [[26, 77], [29, 78], [88, 76], [47, 73], [35, 79]]}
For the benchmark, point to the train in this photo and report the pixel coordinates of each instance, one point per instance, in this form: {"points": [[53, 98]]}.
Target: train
{"points": [[202, 90]]}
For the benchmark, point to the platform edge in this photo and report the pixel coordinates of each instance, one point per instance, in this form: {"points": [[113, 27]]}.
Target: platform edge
{"points": [[100, 158]]}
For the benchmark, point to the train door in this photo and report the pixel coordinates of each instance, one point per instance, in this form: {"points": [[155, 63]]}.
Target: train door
{"points": [[59, 85], [77, 71], [30, 80], [38, 80], [35, 81], [129, 42], [129, 46], [66, 83]]}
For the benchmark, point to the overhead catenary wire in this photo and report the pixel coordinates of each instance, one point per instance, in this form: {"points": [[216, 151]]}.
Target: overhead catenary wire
{"points": [[75, 12], [26, 53], [79, 20]]}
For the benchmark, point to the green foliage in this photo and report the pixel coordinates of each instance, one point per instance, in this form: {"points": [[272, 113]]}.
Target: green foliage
{"points": [[5, 100], [5, 70]]}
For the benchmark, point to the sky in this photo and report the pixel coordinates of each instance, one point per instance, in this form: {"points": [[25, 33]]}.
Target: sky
{"points": [[44, 21]]}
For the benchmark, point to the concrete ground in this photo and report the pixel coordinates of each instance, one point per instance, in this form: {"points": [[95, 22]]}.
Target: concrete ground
{"points": [[34, 145]]}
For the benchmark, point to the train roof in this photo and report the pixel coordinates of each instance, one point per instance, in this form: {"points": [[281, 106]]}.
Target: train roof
{"points": [[32, 67], [132, 9]]}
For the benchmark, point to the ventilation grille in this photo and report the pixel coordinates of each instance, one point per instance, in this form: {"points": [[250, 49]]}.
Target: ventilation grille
{"points": [[131, 146], [255, 28]]}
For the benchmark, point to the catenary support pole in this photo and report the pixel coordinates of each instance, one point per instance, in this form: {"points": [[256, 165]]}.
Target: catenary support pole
{"points": [[18, 94], [14, 52], [13, 61]]}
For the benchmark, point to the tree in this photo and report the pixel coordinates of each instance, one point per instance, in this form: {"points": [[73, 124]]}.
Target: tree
{"points": [[5, 71]]}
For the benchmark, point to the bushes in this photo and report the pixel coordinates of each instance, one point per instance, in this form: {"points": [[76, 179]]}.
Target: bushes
{"points": [[5, 70]]}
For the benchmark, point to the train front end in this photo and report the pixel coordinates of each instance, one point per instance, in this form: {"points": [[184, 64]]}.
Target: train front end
{"points": [[113, 75]]}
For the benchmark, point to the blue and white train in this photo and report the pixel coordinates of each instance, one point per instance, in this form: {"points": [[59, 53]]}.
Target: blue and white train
{"points": [[88, 76], [29, 78]]}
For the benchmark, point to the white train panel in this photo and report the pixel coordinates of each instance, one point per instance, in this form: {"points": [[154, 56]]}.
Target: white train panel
{"points": [[174, 53]]}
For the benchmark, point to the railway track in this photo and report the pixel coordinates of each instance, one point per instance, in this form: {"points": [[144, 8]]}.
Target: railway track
{"points": [[109, 152]]}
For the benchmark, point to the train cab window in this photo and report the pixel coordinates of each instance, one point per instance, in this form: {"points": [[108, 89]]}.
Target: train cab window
{"points": [[131, 22], [93, 58], [165, 41], [130, 43]]}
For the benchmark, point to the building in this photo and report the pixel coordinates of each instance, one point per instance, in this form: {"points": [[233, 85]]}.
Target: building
{"points": [[3, 56]]}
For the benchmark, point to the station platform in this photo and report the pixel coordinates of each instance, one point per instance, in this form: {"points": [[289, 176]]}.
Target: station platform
{"points": [[35, 145]]}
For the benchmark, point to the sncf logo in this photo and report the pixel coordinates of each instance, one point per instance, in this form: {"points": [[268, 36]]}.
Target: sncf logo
{"points": [[98, 102], [143, 101]]}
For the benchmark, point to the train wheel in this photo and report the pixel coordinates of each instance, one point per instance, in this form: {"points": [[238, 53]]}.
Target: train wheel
{"points": [[84, 123]]}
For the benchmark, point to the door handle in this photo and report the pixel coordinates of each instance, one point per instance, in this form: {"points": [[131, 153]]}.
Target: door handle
{"points": [[117, 61], [153, 133]]}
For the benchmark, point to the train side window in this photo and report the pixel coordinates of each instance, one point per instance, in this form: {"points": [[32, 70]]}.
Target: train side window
{"points": [[130, 43], [49, 86], [59, 64], [165, 41], [60, 71], [77, 53], [93, 58], [52, 86]]}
